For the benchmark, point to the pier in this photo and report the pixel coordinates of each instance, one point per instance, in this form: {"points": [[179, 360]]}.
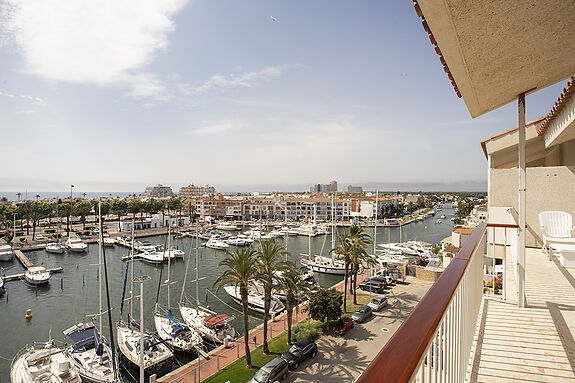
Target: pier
{"points": [[23, 259]]}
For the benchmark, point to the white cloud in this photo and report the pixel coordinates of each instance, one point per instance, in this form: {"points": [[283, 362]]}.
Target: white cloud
{"points": [[221, 127], [245, 80], [104, 42]]}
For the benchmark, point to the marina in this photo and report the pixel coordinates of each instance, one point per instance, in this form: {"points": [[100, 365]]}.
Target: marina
{"points": [[75, 290]]}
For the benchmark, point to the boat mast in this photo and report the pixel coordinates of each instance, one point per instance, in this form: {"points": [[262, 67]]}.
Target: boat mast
{"points": [[111, 328], [375, 223], [197, 269], [132, 272], [169, 258], [100, 240], [333, 212]]}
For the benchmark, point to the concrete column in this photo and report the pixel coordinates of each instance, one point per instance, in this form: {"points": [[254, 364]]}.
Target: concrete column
{"points": [[522, 209]]}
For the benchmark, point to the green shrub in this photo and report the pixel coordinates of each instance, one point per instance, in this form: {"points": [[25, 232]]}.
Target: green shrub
{"points": [[304, 330]]}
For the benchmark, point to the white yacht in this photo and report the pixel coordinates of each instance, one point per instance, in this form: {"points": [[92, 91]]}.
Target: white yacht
{"points": [[324, 265], [76, 245], [2, 288], [247, 240], [217, 244], [310, 230], [37, 275], [158, 358], [227, 226], [43, 363], [155, 257], [180, 336], [235, 241], [54, 248], [256, 234], [6, 253], [91, 356], [212, 326], [255, 300], [109, 242]]}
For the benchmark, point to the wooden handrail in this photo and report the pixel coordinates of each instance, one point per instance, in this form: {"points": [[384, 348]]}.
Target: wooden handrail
{"points": [[505, 225], [400, 357]]}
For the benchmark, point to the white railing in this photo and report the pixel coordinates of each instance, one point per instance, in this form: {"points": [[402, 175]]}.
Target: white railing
{"points": [[435, 343]]}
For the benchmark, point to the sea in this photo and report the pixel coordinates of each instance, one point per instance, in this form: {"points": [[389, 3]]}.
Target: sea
{"points": [[33, 195], [71, 297]]}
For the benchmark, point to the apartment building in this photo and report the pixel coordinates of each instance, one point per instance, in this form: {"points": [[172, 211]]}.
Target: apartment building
{"points": [[158, 191], [191, 191]]}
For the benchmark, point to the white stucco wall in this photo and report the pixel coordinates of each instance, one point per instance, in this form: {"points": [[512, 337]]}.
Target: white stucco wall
{"points": [[548, 188]]}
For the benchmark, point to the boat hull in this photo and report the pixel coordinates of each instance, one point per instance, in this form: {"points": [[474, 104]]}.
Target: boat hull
{"points": [[59, 250]]}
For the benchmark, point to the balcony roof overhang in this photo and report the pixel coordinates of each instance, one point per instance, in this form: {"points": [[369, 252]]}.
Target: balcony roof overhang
{"points": [[494, 50]]}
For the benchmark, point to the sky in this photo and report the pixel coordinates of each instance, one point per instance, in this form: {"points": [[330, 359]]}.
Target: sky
{"points": [[115, 95]]}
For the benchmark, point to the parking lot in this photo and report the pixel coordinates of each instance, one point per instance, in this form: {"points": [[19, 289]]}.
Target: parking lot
{"points": [[345, 357]]}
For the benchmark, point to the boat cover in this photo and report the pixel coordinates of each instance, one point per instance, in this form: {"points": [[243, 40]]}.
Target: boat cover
{"points": [[214, 319], [83, 334]]}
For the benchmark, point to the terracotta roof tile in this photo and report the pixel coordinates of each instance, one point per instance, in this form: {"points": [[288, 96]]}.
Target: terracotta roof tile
{"points": [[565, 96], [436, 46]]}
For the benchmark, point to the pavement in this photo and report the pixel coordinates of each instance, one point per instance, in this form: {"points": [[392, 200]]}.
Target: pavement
{"points": [[343, 358]]}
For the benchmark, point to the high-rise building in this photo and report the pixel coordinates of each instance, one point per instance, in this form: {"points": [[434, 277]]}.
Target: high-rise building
{"points": [[196, 191], [157, 191], [324, 188]]}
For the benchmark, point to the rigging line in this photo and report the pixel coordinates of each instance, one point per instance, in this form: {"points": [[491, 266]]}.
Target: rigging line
{"points": [[187, 266]]}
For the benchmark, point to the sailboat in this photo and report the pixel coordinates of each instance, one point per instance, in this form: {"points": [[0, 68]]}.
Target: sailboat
{"points": [[140, 348], [43, 362], [178, 335], [89, 351], [56, 247], [319, 263], [212, 326]]}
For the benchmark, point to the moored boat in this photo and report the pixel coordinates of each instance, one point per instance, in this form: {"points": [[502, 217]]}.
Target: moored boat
{"points": [[54, 248], [255, 300], [91, 356], [6, 253], [76, 245], [37, 275], [43, 363]]}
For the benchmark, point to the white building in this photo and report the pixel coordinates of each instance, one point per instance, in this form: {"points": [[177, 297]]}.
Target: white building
{"points": [[157, 191]]}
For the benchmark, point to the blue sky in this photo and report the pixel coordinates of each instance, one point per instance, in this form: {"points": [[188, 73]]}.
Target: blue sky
{"points": [[115, 95]]}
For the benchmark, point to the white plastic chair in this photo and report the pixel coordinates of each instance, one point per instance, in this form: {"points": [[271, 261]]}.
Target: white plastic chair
{"points": [[556, 227]]}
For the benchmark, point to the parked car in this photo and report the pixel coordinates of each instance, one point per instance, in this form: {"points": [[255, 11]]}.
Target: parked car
{"points": [[39, 236], [362, 313], [378, 302], [373, 284], [274, 370], [299, 351], [343, 325]]}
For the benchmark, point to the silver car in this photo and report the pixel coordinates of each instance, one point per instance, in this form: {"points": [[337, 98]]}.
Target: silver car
{"points": [[378, 302], [362, 313]]}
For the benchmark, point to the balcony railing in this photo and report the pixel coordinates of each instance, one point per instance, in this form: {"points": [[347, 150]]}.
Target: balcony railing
{"points": [[435, 342]]}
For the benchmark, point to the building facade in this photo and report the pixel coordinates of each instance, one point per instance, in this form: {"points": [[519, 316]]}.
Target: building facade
{"points": [[324, 188], [157, 191], [191, 191]]}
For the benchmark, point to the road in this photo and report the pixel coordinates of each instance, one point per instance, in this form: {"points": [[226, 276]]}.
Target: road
{"points": [[343, 358]]}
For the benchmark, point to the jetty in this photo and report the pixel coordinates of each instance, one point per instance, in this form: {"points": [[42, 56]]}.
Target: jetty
{"points": [[23, 259]]}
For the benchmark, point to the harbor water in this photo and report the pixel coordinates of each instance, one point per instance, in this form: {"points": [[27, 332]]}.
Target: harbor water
{"points": [[71, 297]]}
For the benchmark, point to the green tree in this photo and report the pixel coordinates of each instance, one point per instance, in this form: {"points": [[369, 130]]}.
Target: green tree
{"points": [[82, 209], [38, 211], [325, 305], [119, 207], [294, 285], [134, 207], [65, 210], [25, 210], [271, 256], [241, 268]]}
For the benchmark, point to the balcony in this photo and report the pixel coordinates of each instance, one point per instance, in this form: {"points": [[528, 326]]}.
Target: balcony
{"points": [[463, 332]]}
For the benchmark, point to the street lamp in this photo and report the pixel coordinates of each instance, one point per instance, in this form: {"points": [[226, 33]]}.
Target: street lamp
{"points": [[71, 186]]}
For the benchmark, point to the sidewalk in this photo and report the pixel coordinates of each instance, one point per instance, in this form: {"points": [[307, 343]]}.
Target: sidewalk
{"points": [[220, 357]]}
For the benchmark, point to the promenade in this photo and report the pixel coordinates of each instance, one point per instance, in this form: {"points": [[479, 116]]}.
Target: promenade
{"points": [[201, 368]]}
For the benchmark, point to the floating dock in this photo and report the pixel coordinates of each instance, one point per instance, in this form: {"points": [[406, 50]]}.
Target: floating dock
{"points": [[23, 259]]}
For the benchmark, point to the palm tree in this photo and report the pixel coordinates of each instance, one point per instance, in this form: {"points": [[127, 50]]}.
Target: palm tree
{"points": [[65, 211], [241, 268], [360, 239], [359, 256], [292, 282], [343, 251], [270, 261]]}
